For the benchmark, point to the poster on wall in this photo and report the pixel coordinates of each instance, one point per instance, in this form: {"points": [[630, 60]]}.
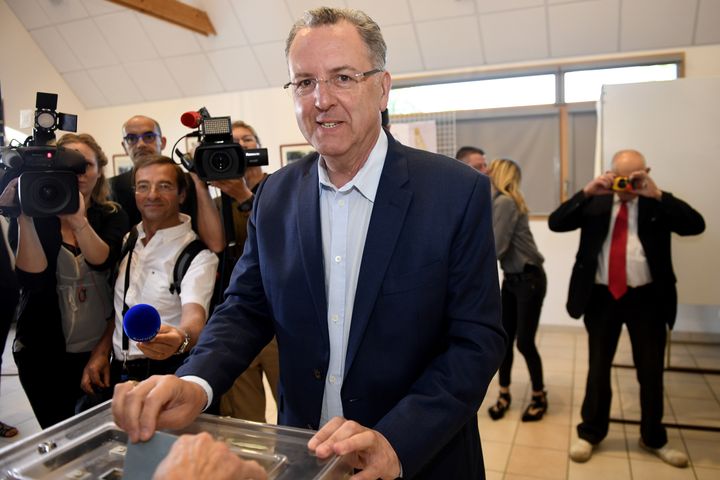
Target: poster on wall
{"points": [[420, 135]]}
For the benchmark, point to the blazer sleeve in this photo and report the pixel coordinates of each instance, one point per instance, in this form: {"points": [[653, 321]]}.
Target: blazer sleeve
{"points": [[569, 215], [681, 218]]}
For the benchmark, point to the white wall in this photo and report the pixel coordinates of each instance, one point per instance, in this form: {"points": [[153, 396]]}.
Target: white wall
{"points": [[25, 70]]}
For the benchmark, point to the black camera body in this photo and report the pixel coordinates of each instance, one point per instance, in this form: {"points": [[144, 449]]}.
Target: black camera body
{"points": [[47, 176], [218, 157]]}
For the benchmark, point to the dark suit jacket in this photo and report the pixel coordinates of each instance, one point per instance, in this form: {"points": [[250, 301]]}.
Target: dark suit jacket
{"points": [[656, 221], [426, 335]]}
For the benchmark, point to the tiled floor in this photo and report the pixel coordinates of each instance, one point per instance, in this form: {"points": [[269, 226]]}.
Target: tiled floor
{"points": [[514, 450]]}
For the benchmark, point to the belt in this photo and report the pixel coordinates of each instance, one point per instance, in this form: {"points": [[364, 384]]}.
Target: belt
{"points": [[529, 272]]}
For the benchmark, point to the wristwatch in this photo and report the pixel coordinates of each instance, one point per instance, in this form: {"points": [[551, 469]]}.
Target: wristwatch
{"points": [[184, 345], [247, 205]]}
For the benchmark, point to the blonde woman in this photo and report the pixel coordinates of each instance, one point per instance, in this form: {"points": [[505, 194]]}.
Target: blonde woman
{"points": [[63, 266], [523, 288]]}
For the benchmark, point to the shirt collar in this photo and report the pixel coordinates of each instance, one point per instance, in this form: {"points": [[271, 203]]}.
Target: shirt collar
{"points": [[367, 179], [617, 201], [169, 233]]}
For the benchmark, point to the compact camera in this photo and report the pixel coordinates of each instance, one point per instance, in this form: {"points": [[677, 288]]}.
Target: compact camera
{"points": [[218, 157], [47, 176], [624, 184]]}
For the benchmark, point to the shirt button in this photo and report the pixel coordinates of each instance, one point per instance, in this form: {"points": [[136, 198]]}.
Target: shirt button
{"points": [[317, 374], [335, 318], [332, 379], [338, 258], [341, 203]]}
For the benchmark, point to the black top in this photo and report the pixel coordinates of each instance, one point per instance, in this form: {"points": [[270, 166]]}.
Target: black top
{"points": [[122, 193], [39, 321]]}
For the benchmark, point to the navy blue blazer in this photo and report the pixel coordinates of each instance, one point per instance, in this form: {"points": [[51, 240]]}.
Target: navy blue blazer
{"points": [[426, 336], [657, 220]]}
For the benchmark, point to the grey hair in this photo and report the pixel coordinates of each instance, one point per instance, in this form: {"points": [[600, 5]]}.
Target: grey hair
{"points": [[367, 28]]}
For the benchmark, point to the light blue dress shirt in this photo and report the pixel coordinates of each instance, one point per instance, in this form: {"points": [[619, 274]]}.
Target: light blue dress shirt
{"points": [[344, 217]]}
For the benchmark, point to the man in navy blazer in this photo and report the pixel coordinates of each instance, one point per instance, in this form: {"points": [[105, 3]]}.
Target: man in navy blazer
{"points": [[373, 264], [646, 306]]}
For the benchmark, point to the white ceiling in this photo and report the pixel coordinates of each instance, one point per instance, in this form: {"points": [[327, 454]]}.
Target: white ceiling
{"points": [[110, 55]]}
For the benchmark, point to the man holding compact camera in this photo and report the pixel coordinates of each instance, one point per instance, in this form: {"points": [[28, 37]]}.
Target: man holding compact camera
{"points": [[623, 274]]}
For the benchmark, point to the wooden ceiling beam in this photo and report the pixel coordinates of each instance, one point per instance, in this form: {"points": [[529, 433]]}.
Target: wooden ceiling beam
{"points": [[175, 12]]}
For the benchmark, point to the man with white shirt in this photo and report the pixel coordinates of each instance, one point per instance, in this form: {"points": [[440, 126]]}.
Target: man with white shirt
{"points": [[373, 263], [623, 275], [144, 276]]}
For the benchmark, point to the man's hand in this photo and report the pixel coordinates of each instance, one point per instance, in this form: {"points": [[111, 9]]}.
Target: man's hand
{"points": [[201, 457], [161, 401], [96, 373], [601, 185], [236, 188], [164, 345], [645, 186], [366, 449]]}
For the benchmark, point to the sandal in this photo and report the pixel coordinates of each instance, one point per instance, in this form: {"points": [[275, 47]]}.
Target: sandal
{"points": [[6, 431], [498, 410], [537, 408]]}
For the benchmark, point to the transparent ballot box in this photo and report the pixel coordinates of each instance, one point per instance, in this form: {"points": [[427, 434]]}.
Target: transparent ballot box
{"points": [[91, 446]]}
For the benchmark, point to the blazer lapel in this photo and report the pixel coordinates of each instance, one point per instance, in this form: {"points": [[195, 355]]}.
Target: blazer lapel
{"points": [[310, 233], [386, 223]]}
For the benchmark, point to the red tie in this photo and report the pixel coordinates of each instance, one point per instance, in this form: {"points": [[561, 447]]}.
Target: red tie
{"points": [[617, 274]]}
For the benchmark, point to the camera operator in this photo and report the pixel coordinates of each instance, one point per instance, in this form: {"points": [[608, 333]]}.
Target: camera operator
{"points": [[63, 266], [246, 398], [142, 136]]}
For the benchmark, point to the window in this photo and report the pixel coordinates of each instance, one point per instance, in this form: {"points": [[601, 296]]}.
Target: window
{"points": [[545, 121], [474, 95], [586, 85]]}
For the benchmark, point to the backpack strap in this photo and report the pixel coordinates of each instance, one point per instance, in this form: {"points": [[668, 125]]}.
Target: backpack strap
{"points": [[127, 249], [183, 262]]}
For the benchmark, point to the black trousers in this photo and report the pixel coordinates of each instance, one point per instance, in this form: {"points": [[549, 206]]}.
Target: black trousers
{"points": [[522, 299], [604, 317], [51, 382]]}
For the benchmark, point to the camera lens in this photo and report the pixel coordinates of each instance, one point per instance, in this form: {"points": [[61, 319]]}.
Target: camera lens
{"points": [[49, 194], [220, 162], [622, 183]]}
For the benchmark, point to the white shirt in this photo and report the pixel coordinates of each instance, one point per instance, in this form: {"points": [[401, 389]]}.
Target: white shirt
{"points": [[637, 268], [151, 275], [344, 219]]}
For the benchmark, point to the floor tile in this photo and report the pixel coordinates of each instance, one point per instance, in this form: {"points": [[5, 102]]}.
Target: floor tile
{"points": [[703, 473], [543, 435], [495, 455], [659, 471], [600, 467], [538, 462], [705, 453]]}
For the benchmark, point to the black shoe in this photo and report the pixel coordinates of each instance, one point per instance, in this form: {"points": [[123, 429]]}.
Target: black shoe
{"points": [[498, 410], [537, 408]]}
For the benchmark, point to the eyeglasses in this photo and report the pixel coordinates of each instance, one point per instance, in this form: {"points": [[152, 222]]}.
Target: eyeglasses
{"points": [[338, 82], [162, 187], [147, 137]]}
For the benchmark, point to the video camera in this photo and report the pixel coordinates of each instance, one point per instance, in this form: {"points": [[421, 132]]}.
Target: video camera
{"points": [[47, 183], [218, 157]]}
